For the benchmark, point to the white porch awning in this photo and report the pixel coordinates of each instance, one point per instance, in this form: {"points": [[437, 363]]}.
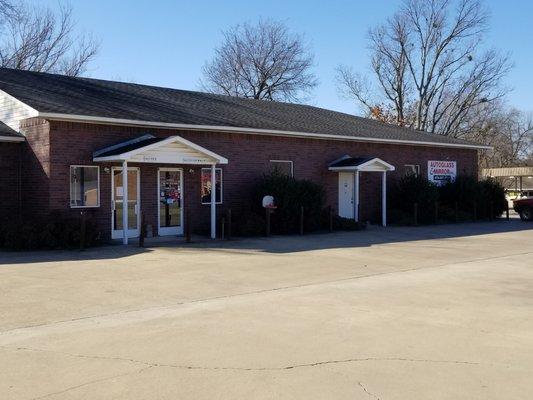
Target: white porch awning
{"points": [[361, 164], [150, 149], [356, 165]]}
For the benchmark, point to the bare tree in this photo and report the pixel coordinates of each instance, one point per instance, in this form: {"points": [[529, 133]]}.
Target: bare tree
{"points": [[429, 64], [37, 39], [509, 131], [263, 61]]}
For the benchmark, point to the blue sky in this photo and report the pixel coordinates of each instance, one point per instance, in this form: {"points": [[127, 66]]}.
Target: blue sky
{"points": [[166, 43]]}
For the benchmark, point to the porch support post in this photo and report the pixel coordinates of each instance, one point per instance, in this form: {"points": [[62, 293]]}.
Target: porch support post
{"points": [[384, 199], [213, 203], [125, 202], [356, 196]]}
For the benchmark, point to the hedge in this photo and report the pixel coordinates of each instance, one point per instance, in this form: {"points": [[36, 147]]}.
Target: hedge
{"points": [[54, 231], [466, 198]]}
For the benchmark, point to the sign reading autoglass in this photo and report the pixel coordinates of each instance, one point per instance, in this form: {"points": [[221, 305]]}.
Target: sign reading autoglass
{"points": [[440, 172]]}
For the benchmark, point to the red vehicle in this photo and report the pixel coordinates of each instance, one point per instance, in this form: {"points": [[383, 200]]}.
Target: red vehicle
{"points": [[524, 207]]}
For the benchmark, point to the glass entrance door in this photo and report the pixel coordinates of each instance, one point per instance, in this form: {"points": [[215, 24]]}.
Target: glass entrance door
{"points": [[170, 196], [117, 203]]}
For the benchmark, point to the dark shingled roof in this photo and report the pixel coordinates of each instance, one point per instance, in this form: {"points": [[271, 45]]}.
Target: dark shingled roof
{"points": [[125, 147], [7, 131], [49, 93], [350, 162]]}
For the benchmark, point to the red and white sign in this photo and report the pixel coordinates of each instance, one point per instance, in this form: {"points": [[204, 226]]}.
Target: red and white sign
{"points": [[441, 172]]}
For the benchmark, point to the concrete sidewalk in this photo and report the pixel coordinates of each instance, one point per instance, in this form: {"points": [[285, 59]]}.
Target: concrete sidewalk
{"points": [[438, 312]]}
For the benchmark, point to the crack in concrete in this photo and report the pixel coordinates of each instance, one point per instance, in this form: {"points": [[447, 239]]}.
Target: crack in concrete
{"points": [[221, 368], [148, 365], [68, 389], [281, 288], [367, 392]]}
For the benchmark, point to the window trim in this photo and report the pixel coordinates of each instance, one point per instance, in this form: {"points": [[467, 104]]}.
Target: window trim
{"points": [[221, 185], [98, 184], [285, 161], [416, 168]]}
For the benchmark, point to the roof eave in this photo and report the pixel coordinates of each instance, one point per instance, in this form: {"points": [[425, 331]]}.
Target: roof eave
{"points": [[251, 131], [12, 139]]}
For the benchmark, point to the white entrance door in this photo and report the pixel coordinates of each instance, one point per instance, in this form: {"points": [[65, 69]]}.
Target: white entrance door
{"points": [[170, 200], [346, 195], [117, 204]]}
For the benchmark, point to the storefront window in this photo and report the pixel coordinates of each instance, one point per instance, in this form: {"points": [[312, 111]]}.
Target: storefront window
{"points": [[84, 186], [206, 185]]}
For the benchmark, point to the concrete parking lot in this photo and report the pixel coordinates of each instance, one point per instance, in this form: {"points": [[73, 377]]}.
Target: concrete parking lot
{"points": [[439, 312]]}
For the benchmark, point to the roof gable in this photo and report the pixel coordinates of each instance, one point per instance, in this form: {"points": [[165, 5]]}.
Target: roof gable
{"points": [[362, 164], [148, 148]]}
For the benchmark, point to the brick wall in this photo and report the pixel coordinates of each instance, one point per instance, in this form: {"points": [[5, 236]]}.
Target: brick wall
{"points": [[249, 156], [10, 154], [35, 180], [25, 172]]}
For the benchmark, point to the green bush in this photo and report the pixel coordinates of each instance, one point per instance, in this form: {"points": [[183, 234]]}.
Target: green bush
{"points": [[290, 195], [52, 232], [408, 191], [464, 190], [493, 194], [474, 200]]}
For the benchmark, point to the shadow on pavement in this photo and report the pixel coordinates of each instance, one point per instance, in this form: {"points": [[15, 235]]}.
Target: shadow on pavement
{"points": [[279, 244], [109, 252], [372, 236]]}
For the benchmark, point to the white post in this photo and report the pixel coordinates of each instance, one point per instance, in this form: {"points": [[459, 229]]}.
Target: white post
{"points": [[356, 196], [384, 199], [213, 203], [124, 202]]}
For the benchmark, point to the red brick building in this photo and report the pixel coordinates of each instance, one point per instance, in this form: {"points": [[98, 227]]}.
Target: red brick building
{"points": [[65, 141]]}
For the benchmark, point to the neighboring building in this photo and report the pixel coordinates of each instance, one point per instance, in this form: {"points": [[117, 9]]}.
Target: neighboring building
{"points": [[64, 142], [517, 181]]}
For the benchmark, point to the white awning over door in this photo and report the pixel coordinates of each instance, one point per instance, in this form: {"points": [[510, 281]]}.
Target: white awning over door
{"points": [[349, 203], [149, 149], [361, 164]]}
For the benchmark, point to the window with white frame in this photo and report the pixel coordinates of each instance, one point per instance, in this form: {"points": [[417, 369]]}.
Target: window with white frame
{"points": [[84, 186], [412, 169], [283, 166], [206, 185]]}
